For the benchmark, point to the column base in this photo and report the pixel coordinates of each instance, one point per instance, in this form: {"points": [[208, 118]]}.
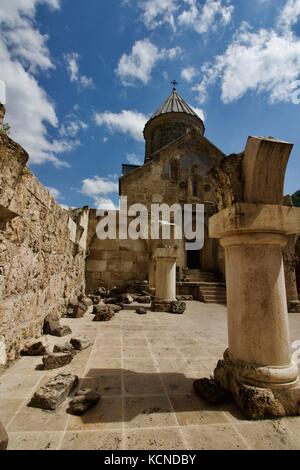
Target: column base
{"points": [[294, 306], [175, 306], [256, 400]]}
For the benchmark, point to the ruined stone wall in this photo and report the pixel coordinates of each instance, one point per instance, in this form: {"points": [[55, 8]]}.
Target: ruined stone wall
{"points": [[42, 252], [112, 263]]}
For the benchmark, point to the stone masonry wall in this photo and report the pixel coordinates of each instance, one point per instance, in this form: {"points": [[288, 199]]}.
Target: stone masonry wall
{"points": [[42, 253]]}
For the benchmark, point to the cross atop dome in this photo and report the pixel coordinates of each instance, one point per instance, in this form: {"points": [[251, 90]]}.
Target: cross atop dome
{"points": [[174, 83]]}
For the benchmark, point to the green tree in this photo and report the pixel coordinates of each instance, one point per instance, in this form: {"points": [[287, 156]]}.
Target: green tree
{"points": [[296, 198]]}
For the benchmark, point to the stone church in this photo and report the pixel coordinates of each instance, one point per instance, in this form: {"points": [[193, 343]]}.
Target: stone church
{"points": [[178, 158]]}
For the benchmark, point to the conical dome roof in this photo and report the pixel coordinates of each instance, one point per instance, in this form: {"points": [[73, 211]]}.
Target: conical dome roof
{"points": [[175, 104]]}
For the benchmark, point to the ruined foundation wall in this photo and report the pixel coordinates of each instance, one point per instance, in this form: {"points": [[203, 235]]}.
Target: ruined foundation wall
{"points": [[112, 263], [41, 268]]}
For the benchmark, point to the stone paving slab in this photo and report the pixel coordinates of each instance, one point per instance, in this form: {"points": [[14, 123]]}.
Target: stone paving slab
{"points": [[144, 368]]}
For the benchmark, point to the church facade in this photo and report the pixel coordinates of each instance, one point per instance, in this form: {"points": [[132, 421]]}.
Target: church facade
{"points": [[178, 159]]}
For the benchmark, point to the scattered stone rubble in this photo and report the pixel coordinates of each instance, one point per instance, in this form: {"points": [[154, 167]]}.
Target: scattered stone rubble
{"points": [[53, 327], [83, 401], [37, 347], [57, 360], [81, 343], [64, 348], [141, 311], [55, 392]]}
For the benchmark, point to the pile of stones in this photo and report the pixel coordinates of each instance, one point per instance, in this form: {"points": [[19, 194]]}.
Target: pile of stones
{"points": [[108, 302]]}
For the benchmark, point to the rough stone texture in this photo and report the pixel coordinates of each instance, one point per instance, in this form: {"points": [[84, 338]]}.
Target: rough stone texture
{"points": [[227, 181], [57, 360], [55, 392], [38, 347], [77, 310], [81, 343], [85, 300], [212, 392], [53, 327], [115, 308], [42, 269], [3, 438], [144, 299], [178, 307], [83, 401], [104, 315], [64, 348], [161, 306], [141, 311], [96, 299], [127, 299]]}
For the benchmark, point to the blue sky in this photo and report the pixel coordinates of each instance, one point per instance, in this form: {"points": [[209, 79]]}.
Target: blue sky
{"points": [[83, 77]]}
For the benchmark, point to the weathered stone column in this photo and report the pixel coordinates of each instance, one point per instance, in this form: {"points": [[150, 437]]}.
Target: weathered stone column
{"points": [[257, 368], [290, 275], [165, 278]]}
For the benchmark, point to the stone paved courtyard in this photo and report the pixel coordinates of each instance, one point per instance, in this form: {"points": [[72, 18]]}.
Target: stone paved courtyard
{"points": [[144, 368]]}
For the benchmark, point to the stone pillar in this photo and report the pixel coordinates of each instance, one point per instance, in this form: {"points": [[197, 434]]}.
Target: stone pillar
{"points": [[151, 271], [257, 368], [289, 256], [165, 278]]}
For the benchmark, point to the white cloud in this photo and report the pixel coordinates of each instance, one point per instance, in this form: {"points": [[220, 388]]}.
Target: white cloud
{"points": [[134, 159], [290, 14], [203, 16], [206, 17], [144, 56], [263, 61], [126, 122], [157, 12], [105, 204], [199, 112], [24, 52], [189, 73], [72, 127], [72, 61], [97, 188]]}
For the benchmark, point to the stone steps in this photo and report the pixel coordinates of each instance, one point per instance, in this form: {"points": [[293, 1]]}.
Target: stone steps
{"points": [[209, 289]]}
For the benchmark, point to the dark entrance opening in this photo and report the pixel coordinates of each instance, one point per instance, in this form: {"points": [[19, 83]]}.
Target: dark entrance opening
{"points": [[193, 259]]}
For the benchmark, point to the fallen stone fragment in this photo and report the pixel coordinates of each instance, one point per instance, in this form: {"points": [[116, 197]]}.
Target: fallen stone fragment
{"points": [[81, 343], [37, 347], [141, 311], [53, 327], [114, 307], [96, 299], [76, 310], [112, 301], [104, 315], [212, 392], [144, 299], [3, 438], [83, 401], [64, 348], [85, 300], [178, 307], [54, 392], [57, 360], [185, 297], [127, 299], [101, 291]]}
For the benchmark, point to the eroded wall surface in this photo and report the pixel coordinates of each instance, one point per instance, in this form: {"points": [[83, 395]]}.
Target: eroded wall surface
{"points": [[42, 252]]}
